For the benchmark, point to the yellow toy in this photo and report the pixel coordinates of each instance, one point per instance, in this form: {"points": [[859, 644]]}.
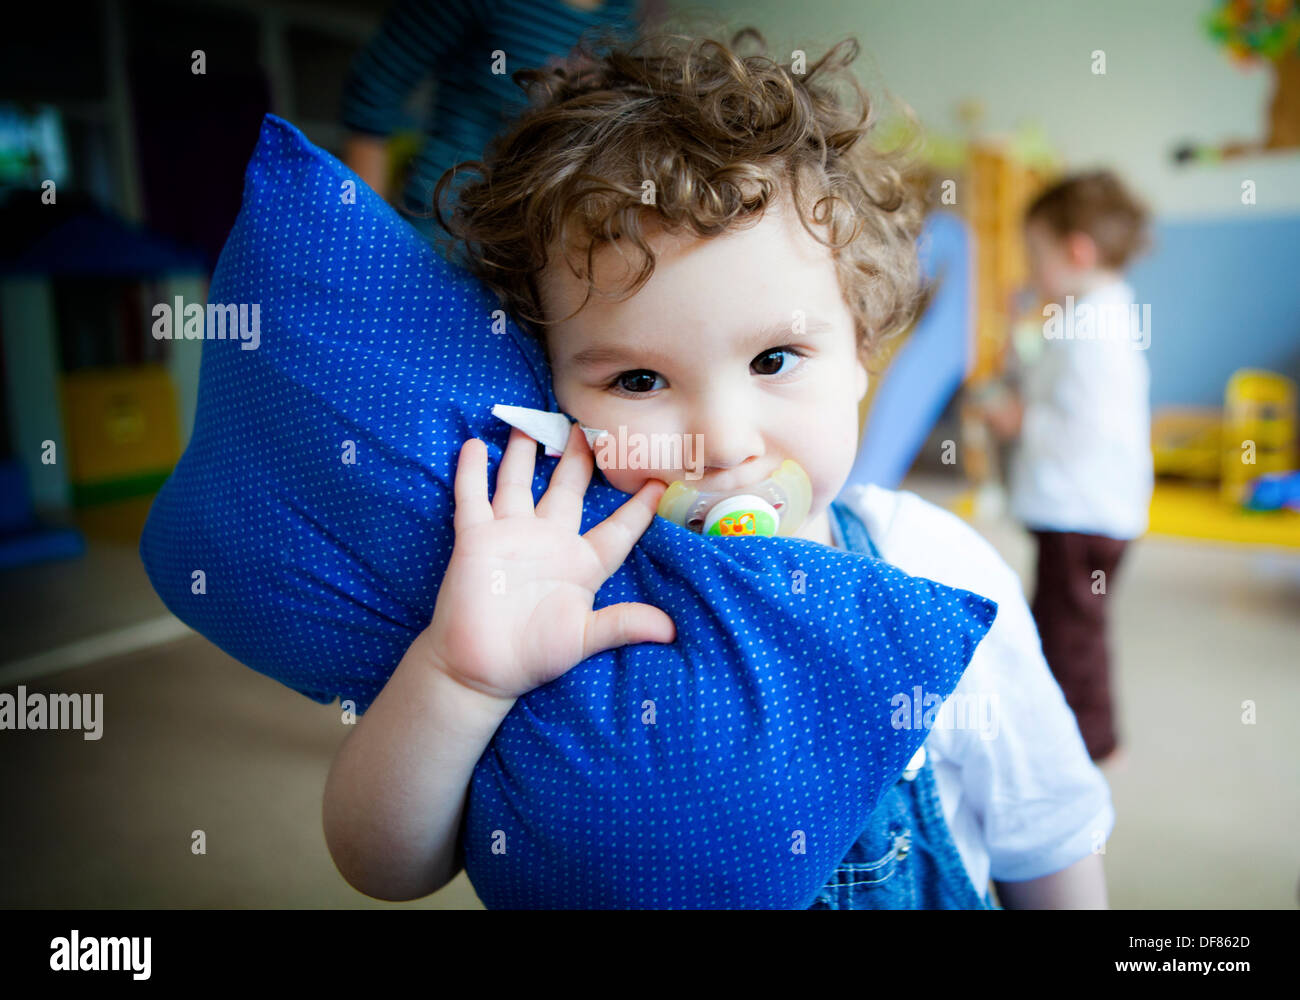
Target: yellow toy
{"points": [[1185, 441], [1259, 430]]}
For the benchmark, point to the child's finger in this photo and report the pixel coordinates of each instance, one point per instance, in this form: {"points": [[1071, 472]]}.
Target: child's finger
{"points": [[614, 537], [472, 505], [563, 498], [621, 624], [514, 493]]}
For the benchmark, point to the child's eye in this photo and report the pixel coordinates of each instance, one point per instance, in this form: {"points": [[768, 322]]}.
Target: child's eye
{"points": [[772, 363], [635, 383]]}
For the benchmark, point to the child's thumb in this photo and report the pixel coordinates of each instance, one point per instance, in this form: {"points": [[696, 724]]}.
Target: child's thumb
{"points": [[622, 624]]}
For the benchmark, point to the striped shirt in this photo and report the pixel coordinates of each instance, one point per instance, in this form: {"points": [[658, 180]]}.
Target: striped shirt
{"points": [[454, 41]]}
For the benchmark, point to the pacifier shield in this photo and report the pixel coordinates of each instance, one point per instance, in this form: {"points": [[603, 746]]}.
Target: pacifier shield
{"points": [[776, 506]]}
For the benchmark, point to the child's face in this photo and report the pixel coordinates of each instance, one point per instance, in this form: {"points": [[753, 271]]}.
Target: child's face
{"points": [[1060, 265], [708, 347], [1048, 261]]}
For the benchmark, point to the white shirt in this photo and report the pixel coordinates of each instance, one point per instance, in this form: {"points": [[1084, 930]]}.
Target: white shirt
{"points": [[1083, 462], [1028, 801]]}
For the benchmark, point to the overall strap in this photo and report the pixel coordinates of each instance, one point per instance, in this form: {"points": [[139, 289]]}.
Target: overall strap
{"points": [[852, 530]]}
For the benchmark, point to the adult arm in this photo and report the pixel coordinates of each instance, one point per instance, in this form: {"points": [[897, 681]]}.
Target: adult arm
{"points": [[415, 39]]}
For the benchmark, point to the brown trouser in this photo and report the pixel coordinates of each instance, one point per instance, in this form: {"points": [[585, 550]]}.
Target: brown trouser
{"points": [[1070, 606]]}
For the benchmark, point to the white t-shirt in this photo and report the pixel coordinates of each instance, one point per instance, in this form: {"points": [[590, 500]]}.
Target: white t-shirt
{"points": [[1083, 462], [1028, 801]]}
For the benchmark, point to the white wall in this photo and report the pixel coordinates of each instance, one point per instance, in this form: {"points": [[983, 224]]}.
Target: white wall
{"points": [[1166, 82]]}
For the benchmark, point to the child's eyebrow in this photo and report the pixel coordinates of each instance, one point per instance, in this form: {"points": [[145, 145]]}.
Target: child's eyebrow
{"points": [[765, 336]]}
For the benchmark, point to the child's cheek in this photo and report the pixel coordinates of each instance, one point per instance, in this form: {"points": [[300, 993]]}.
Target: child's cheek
{"points": [[625, 480]]}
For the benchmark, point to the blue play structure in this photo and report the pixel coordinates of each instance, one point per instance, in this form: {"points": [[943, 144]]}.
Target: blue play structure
{"points": [[930, 365]]}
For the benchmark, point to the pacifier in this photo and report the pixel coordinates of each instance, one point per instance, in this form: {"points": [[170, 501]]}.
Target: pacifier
{"points": [[776, 506]]}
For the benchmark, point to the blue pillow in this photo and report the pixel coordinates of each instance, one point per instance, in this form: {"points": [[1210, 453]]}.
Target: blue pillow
{"points": [[732, 768]]}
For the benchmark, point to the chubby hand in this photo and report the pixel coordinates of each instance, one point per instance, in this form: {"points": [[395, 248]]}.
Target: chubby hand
{"points": [[515, 607]]}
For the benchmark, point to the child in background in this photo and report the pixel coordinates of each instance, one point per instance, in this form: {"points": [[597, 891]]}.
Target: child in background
{"points": [[775, 252], [1081, 475]]}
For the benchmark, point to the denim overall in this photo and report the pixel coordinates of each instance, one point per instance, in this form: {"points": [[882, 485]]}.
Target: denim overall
{"points": [[905, 859]]}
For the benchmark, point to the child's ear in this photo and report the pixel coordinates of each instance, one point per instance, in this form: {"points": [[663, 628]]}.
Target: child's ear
{"points": [[1081, 249]]}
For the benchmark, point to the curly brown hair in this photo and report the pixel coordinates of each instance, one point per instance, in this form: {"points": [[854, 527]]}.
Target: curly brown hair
{"points": [[1095, 203], [719, 135]]}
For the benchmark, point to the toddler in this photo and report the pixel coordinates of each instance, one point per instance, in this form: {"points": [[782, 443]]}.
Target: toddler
{"points": [[1081, 473], [761, 251]]}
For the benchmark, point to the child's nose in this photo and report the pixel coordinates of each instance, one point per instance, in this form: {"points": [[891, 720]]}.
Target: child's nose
{"points": [[728, 437]]}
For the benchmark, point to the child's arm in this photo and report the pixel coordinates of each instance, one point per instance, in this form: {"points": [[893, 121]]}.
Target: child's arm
{"points": [[999, 404], [1082, 886], [514, 612], [1006, 417], [397, 788]]}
